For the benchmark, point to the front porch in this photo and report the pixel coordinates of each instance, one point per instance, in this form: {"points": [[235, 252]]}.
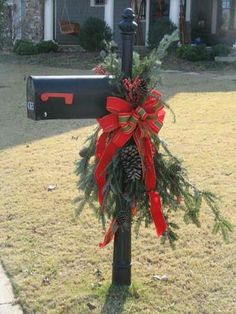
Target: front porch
{"points": [[73, 11], [146, 12], [214, 19]]}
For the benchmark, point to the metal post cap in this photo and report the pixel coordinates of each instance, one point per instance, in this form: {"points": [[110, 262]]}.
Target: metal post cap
{"points": [[127, 24]]}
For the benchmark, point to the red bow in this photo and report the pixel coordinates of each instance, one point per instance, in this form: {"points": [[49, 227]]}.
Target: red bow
{"points": [[118, 127]]}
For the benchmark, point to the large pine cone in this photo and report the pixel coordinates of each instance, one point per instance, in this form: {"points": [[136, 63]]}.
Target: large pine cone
{"points": [[131, 162]]}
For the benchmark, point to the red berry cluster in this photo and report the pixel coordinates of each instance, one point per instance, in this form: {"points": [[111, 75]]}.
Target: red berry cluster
{"points": [[135, 90], [98, 69]]}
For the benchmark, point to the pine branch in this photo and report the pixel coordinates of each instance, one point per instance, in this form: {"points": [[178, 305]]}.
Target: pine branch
{"points": [[82, 165], [170, 109], [165, 43]]}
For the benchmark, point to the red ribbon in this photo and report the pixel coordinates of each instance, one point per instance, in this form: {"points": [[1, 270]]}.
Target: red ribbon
{"points": [[118, 127]]}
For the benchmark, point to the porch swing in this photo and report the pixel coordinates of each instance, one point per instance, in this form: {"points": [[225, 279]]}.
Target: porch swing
{"points": [[66, 26]]}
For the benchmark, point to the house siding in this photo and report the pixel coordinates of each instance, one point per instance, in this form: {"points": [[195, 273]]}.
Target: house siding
{"points": [[78, 11]]}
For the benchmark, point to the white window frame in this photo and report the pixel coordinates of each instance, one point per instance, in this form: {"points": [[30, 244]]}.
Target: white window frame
{"points": [[93, 3]]}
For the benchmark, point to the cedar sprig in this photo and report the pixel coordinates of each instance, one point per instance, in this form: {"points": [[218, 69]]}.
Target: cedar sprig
{"points": [[172, 185], [147, 68]]}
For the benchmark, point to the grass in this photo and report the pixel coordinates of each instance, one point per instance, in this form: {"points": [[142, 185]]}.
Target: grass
{"points": [[73, 60], [54, 261], [87, 60]]}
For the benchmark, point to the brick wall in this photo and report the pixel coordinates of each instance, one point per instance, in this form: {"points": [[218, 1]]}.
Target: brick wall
{"points": [[32, 19]]}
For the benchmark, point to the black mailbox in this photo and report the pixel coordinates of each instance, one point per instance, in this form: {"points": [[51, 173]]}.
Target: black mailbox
{"points": [[68, 97]]}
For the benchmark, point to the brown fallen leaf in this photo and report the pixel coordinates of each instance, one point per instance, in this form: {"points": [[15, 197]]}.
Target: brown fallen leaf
{"points": [[46, 281], [91, 306], [74, 137]]}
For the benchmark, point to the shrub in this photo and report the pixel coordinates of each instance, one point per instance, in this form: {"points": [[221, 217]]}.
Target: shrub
{"points": [[158, 30], [93, 33], [25, 47], [221, 50], [18, 42], [194, 53], [47, 46]]}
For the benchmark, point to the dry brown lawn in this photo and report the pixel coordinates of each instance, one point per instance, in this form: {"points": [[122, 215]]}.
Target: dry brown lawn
{"points": [[52, 258]]}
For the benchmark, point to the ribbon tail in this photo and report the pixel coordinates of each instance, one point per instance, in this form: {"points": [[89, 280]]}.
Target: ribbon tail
{"points": [[101, 187], [100, 147], [157, 216], [111, 230], [118, 140], [149, 171], [101, 144]]}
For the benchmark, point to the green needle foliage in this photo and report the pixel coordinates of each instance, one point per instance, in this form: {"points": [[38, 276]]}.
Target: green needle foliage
{"points": [[177, 193]]}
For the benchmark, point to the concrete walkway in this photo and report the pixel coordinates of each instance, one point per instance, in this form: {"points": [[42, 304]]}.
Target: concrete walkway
{"points": [[7, 299]]}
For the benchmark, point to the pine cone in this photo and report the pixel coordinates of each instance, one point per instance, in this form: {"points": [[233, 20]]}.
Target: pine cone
{"points": [[131, 162], [84, 152], [122, 217]]}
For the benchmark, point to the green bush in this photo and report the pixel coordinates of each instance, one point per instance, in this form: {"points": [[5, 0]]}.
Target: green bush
{"points": [[93, 33], [25, 47], [158, 30], [18, 42], [194, 53], [221, 50], [47, 46]]}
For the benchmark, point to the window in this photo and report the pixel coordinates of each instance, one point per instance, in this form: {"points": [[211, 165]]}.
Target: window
{"points": [[97, 3], [225, 14], [226, 4]]}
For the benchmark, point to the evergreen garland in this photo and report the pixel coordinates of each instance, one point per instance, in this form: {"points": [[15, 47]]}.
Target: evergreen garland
{"points": [[177, 193]]}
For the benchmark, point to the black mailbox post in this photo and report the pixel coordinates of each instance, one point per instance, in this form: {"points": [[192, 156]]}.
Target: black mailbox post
{"points": [[84, 97]]}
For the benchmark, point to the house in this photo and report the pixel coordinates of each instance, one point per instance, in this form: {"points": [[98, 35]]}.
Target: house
{"points": [[215, 18], [43, 20]]}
